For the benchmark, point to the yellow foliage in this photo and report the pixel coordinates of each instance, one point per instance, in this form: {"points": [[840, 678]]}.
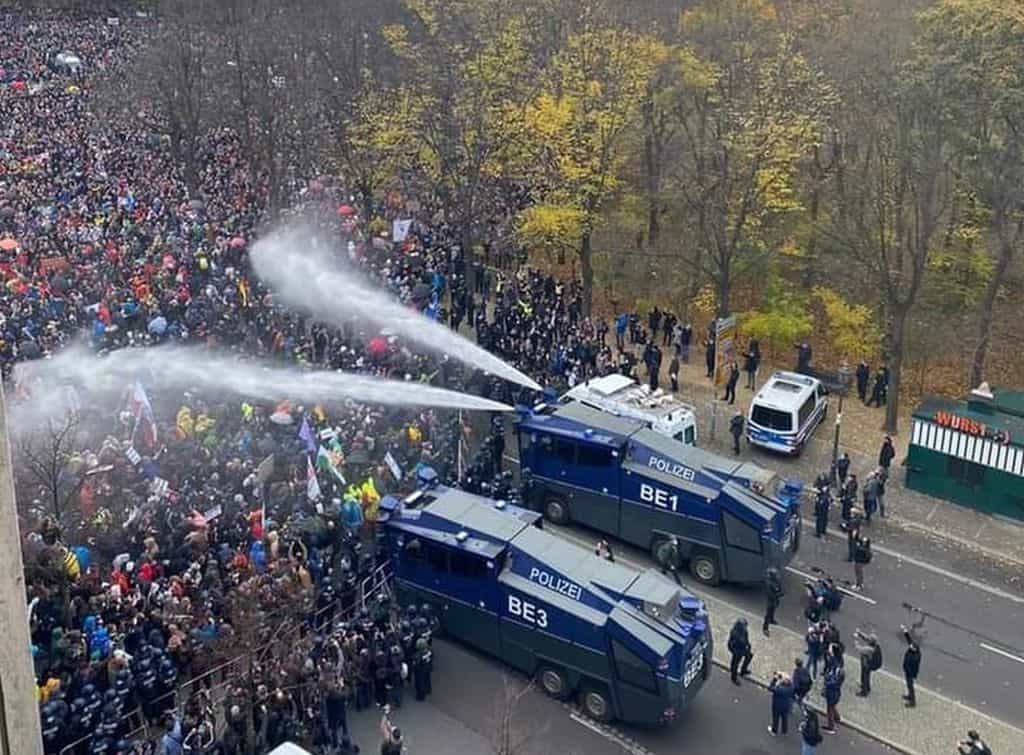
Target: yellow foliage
{"points": [[851, 327], [550, 226]]}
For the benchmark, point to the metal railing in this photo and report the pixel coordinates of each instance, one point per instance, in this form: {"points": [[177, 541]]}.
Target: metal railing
{"points": [[223, 674]]}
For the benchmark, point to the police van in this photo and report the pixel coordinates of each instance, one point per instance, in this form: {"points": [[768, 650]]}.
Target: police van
{"points": [[785, 411], [624, 397], [629, 645], [730, 520]]}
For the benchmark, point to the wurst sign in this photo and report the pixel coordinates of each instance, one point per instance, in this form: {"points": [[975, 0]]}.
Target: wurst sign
{"points": [[970, 426]]}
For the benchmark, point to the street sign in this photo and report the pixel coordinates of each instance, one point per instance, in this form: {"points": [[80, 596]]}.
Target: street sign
{"points": [[725, 346]]}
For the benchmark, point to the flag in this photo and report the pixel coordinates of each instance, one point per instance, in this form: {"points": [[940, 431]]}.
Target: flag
{"points": [[328, 461], [140, 408], [306, 436], [312, 484]]}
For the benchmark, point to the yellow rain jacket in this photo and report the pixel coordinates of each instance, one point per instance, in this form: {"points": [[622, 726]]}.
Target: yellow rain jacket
{"points": [[184, 423]]}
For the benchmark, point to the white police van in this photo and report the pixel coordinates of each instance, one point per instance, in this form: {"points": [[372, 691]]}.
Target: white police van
{"points": [[624, 397], [785, 412]]}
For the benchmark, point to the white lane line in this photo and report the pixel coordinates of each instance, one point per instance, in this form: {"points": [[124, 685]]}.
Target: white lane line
{"points": [[851, 593], [512, 459], [941, 572], [609, 735], [1003, 653], [710, 597]]}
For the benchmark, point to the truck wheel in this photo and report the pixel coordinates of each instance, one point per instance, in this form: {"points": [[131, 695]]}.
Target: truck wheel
{"points": [[595, 704], [554, 682], [555, 511], [704, 568]]}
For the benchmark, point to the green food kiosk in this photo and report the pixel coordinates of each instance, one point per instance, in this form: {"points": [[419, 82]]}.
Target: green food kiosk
{"points": [[971, 451]]}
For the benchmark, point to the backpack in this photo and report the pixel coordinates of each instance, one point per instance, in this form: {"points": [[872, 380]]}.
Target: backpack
{"points": [[875, 662], [867, 555]]}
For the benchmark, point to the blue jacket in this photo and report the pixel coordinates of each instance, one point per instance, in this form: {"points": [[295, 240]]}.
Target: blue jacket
{"points": [[834, 679], [620, 324], [782, 696], [352, 513], [171, 742]]}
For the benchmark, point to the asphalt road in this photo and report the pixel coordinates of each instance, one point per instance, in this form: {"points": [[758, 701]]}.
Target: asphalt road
{"points": [[973, 648], [473, 695]]}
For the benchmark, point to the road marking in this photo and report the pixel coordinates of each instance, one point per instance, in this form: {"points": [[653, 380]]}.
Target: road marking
{"points": [[1011, 656], [940, 571], [512, 459], [709, 597], [851, 593], [950, 575], [611, 736], [935, 507]]}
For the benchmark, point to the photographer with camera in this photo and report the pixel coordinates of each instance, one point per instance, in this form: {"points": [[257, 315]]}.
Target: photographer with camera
{"points": [[911, 661], [870, 655], [781, 688], [391, 735], [973, 745]]}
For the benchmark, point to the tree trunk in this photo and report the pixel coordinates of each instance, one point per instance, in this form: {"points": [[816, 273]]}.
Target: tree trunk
{"points": [[653, 170], [892, 404], [587, 273], [723, 289], [987, 306]]}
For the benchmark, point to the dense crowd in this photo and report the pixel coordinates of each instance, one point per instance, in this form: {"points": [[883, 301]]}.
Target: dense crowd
{"points": [[185, 528]]}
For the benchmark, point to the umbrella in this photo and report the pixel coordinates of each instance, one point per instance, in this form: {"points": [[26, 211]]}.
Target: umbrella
{"points": [[157, 326], [6, 211], [197, 204], [18, 86], [8, 244], [237, 242], [378, 347], [316, 186], [73, 89], [346, 210]]}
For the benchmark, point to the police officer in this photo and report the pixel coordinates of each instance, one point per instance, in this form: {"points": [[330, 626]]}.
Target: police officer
{"points": [[739, 650], [822, 503], [423, 666], [736, 429], [668, 557], [773, 592]]}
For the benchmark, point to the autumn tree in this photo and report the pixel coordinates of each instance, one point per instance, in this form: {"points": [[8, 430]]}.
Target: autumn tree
{"points": [[974, 48], [467, 76], [592, 94], [892, 190], [745, 126]]}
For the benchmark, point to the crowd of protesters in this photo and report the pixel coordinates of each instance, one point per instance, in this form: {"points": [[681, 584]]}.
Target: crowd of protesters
{"points": [[184, 528]]}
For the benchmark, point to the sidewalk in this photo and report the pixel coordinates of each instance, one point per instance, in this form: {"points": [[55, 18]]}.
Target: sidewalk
{"points": [[934, 726], [861, 437]]}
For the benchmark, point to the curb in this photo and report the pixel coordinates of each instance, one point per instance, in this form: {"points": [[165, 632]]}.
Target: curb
{"points": [[860, 729], [966, 542]]}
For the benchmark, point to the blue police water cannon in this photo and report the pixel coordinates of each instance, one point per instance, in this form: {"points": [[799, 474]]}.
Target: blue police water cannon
{"points": [[730, 520], [627, 644]]}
